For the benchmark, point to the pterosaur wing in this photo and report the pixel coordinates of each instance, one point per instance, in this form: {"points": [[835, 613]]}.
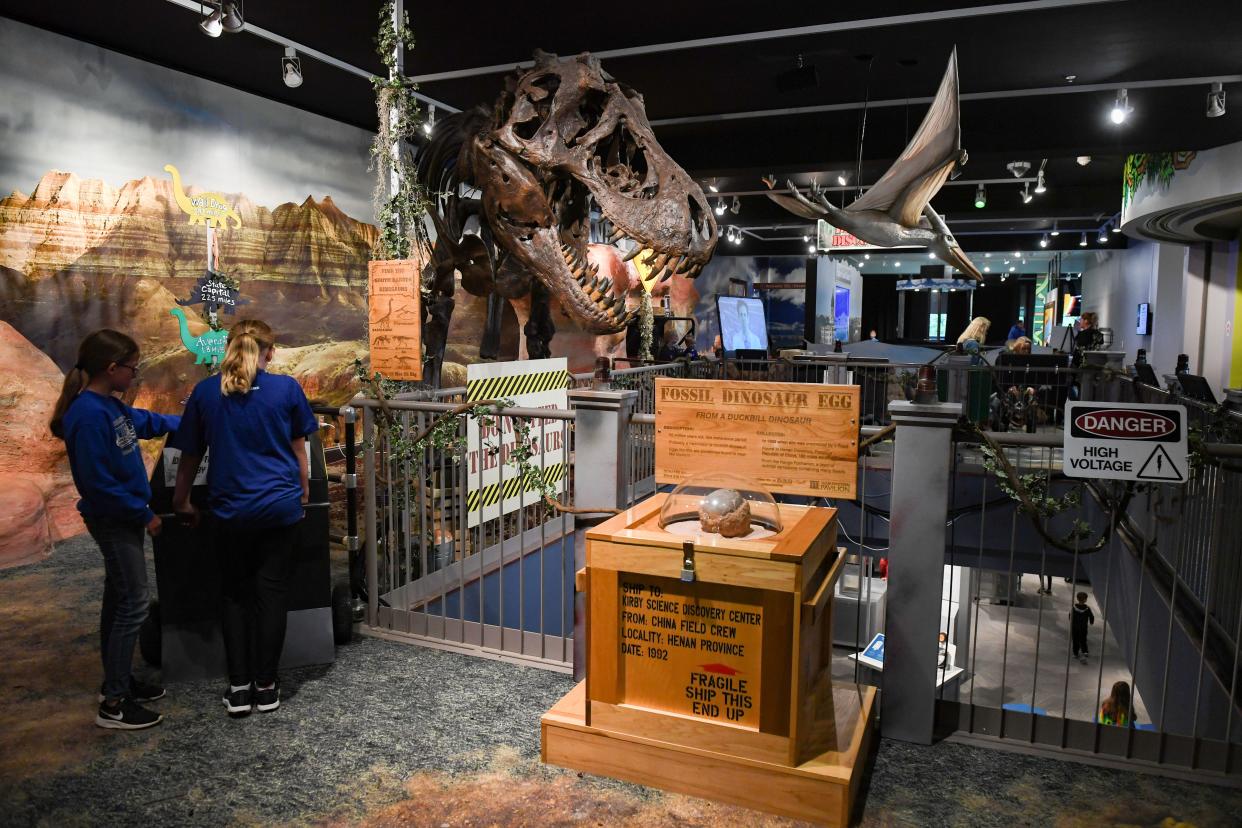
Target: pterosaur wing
{"points": [[921, 169]]}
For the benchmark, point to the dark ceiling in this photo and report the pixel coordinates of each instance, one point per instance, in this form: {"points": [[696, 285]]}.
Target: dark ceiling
{"points": [[1110, 42]]}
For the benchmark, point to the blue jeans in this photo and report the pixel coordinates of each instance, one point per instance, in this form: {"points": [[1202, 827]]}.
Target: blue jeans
{"points": [[125, 599]]}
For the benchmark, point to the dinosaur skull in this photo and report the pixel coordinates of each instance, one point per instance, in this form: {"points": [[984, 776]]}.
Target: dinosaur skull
{"points": [[567, 139]]}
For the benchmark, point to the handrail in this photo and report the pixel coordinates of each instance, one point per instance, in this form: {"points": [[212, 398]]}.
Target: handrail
{"points": [[430, 407]]}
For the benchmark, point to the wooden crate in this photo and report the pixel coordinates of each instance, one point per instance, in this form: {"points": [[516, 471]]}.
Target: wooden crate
{"points": [[716, 686]]}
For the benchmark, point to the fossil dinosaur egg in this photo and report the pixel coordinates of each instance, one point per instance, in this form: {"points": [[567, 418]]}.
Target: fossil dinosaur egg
{"points": [[726, 512]]}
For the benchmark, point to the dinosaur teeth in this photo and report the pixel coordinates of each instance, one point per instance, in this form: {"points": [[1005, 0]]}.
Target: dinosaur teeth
{"points": [[632, 253]]}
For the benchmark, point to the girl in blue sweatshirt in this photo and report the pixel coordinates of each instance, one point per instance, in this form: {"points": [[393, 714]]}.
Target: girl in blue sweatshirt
{"points": [[101, 435]]}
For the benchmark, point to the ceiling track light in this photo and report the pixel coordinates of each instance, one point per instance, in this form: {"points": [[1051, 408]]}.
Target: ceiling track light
{"points": [[234, 19], [1216, 100], [213, 24], [1043, 242], [291, 68], [1055, 230], [1083, 241], [736, 206], [1026, 193], [981, 196], [842, 179], [729, 234], [1121, 108], [737, 237], [1083, 160], [1116, 227], [1102, 238], [720, 207], [712, 186], [810, 248], [430, 124], [1040, 186]]}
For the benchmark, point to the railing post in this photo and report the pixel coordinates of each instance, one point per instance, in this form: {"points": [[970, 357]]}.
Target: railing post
{"points": [[921, 482], [372, 562], [601, 478]]}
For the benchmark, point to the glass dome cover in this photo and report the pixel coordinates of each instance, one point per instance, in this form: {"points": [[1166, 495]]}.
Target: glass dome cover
{"points": [[723, 504]]}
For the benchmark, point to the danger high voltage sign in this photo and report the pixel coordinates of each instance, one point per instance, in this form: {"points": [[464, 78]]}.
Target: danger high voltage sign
{"points": [[1125, 441]]}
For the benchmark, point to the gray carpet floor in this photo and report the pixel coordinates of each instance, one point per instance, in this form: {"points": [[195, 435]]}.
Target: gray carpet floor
{"points": [[393, 734]]}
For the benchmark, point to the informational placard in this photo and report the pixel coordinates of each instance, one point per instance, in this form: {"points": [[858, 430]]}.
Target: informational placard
{"points": [[691, 648], [794, 438], [1126, 441], [172, 462], [829, 238], [495, 483], [873, 655], [395, 319]]}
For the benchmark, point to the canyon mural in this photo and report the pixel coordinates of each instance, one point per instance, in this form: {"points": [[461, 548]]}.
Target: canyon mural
{"points": [[93, 234]]}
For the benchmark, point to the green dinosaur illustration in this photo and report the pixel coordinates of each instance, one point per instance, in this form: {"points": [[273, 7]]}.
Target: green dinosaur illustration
{"points": [[205, 208], [208, 348]]}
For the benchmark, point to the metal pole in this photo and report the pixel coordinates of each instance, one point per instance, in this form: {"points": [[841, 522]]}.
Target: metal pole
{"points": [[372, 562]]}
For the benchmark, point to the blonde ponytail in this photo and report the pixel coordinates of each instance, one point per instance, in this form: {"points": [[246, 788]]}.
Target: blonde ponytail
{"points": [[248, 339], [96, 354]]}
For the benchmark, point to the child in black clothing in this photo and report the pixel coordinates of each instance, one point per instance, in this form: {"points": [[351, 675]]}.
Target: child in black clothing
{"points": [[1080, 617]]}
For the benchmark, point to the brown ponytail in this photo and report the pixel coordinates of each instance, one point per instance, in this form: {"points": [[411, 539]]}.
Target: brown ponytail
{"points": [[96, 353], [247, 340]]}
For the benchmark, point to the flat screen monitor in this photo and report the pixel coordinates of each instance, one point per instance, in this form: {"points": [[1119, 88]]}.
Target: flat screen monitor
{"points": [[1142, 326], [1146, 374], [1196, 388], [742, 324]]}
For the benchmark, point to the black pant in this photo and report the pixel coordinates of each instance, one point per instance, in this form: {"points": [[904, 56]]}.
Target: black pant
{"points": [[125, 598], [1080, 640], [256, 566]]}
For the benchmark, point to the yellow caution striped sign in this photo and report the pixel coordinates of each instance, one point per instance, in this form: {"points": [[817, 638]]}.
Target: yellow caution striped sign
{"points": [[490, 495], [499, 388]]}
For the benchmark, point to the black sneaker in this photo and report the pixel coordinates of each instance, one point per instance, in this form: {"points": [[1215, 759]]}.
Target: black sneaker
{"points": [[127, 715], [237, 702], [267, 700], [139, 691]]}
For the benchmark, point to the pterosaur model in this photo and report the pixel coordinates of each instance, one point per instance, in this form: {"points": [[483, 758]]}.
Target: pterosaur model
{"points": [[896, 211]]}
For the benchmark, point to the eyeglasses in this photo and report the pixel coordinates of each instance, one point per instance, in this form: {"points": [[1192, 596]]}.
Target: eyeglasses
{"points": [[132, 368]]}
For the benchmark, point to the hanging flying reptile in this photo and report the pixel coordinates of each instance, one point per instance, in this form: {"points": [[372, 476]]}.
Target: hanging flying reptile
{"points": [[896, 211]]}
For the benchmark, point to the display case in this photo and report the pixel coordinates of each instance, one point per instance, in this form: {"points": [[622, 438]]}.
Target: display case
{"points": [[709, 657]]}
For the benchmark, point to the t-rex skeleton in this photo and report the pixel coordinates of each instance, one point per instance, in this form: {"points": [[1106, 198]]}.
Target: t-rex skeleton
{"points": [[516, 189]]}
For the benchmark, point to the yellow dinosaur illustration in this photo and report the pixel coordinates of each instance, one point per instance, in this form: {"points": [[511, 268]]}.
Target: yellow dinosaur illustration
{"points": [[205, 208]]}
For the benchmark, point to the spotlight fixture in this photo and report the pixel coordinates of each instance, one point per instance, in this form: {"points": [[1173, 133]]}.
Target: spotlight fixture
{"points": [[713, 186], [1012, 269], [736, 206], [931, 255], [232, 22], [981, 197], [987, 268], [896, 264], [1018, 168], [1040, 186], [1116, 228], [867, 256], [212, 25], [729, 234], [810, 248], [1083, 241], [291, 68], [430, 124], [805, 237], [1121, 108], [1216, 100], [720, 207], [1103, 237], [1043, 242], [1083, 160], [1055, 231], [737, 237], [842, 180], [1026, 193]]}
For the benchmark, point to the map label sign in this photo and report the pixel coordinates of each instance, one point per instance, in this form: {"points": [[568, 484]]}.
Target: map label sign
{"points": [[796, 438], [1125, 441]]}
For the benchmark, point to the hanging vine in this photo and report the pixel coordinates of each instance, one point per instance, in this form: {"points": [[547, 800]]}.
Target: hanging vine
{"points": [[399, 209]]}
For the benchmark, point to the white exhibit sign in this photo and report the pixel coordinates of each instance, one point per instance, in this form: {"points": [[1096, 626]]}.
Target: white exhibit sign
{"points": [[493, 480], [1125, 441], [172, 462]]}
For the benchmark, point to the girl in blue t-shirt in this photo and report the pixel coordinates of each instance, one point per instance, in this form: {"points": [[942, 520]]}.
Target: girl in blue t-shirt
{"points": [[101, 436], [255, 425]]}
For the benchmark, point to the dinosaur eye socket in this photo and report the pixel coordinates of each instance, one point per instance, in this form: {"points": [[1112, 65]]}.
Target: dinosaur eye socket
{"points": [[541, 93], [590, 110]]}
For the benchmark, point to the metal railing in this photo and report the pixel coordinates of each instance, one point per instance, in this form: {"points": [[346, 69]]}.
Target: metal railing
{"points": [[461, 566], [1163, 591]]}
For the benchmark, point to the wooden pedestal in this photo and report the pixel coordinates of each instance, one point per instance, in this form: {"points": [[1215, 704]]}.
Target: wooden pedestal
{"points": [[719, 686]]}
